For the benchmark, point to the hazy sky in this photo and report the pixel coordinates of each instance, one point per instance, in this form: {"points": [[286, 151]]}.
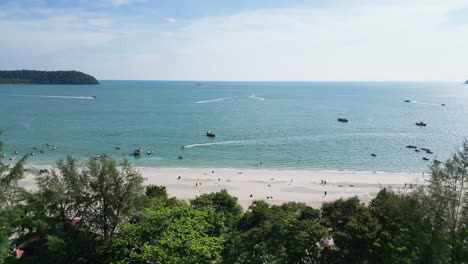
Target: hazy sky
{"points": [[239, 39]]}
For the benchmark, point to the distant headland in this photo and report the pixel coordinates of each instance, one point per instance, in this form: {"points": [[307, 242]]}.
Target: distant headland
{"points": [[46, 77]]}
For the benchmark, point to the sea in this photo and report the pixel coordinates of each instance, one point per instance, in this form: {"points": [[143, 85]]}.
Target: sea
{"points": [[282, 125]]}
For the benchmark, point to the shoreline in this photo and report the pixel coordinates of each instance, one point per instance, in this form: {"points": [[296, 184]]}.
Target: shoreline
{"points": [[272, 186]]}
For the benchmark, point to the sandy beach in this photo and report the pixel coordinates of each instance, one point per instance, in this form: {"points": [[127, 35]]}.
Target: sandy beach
{"points": [[272, 186]]}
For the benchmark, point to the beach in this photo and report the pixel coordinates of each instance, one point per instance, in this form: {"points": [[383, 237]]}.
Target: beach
{"points": [[272, 186]]}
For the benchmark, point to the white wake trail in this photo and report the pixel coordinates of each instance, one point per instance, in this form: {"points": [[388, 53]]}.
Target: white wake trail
{"points": [[213, 143], [417, 102], [51, 96], [253, 96], [213, 100]]}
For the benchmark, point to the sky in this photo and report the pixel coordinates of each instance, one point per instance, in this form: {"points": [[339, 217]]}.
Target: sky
{"points": [[239, 40]]}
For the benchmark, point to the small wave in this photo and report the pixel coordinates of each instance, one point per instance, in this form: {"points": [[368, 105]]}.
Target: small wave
{"points": [[51, 96], [213, 143], [423, 103], [253, 96], [213, 100]]}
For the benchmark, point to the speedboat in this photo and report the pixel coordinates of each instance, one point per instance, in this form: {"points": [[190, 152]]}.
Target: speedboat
{"points": [[407, 101], [421, 123], [344, 120], [137, 152], [210, 133]]}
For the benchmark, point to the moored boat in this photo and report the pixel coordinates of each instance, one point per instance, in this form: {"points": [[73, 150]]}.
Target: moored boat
{"points": [[421, 123], [344, 120], [137, 152], [210, 133]]}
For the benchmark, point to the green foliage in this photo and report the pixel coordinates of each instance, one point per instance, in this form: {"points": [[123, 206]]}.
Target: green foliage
{"points": [[10, 199], [178, 234], [448, 197], [223, 204], [46, 77], [353, 229], [289, 233], [154, 191], [405, 228]]}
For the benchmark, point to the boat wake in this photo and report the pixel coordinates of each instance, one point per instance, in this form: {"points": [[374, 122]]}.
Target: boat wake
{"points": [[423, 103], [51, 96], [253, 96], [213, 100], [213, 143]]}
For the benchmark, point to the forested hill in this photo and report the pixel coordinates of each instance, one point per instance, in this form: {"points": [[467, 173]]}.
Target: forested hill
{"points": [[46, 77]]}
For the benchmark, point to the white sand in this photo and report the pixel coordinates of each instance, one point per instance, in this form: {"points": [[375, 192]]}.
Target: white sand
{"points": [[282, 185]]}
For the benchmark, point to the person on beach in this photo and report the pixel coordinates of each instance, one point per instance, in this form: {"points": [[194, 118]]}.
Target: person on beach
{"points": [[251, 196], [324, 182], [325, 193], [321, 182], [196, 184]]}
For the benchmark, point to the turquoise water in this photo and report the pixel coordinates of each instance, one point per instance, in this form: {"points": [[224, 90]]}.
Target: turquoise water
{"points": [[283, 124]]}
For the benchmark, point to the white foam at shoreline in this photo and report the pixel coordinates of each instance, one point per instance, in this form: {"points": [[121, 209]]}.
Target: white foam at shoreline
{"points": [[51, 96], [213, 100]]}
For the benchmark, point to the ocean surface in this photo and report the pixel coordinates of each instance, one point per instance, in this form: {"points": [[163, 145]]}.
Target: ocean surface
{"points": [[284, 125]]}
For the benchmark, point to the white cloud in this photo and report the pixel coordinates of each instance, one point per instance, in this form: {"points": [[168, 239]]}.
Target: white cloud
{"points": [[369, 41], [171, 20], [118, 3]]}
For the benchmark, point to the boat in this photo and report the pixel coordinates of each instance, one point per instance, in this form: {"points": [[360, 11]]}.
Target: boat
{"points": [[417, 150], [425, 158], [210, 133], [137, 152], [180, 157], [411, 146], [117, 148], [94, 97], [425, 149], [344, 120], [373, 155], [407, 101], [429, 152], [421, 123], [149, 152], [442, 104]]}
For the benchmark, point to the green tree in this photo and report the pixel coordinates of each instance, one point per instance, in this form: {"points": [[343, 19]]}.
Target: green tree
{"points": [[115, 194], [175, 234], [224, 205], [353, 230], [11, 195], [289, 233], [405, 228], [448, 185]]}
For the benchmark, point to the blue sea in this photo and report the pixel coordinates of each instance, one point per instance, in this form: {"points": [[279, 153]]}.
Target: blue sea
{"points": [[284, 125]]}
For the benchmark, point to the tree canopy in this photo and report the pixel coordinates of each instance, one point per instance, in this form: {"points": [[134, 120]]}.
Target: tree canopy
{"points": [[46, 77]]}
